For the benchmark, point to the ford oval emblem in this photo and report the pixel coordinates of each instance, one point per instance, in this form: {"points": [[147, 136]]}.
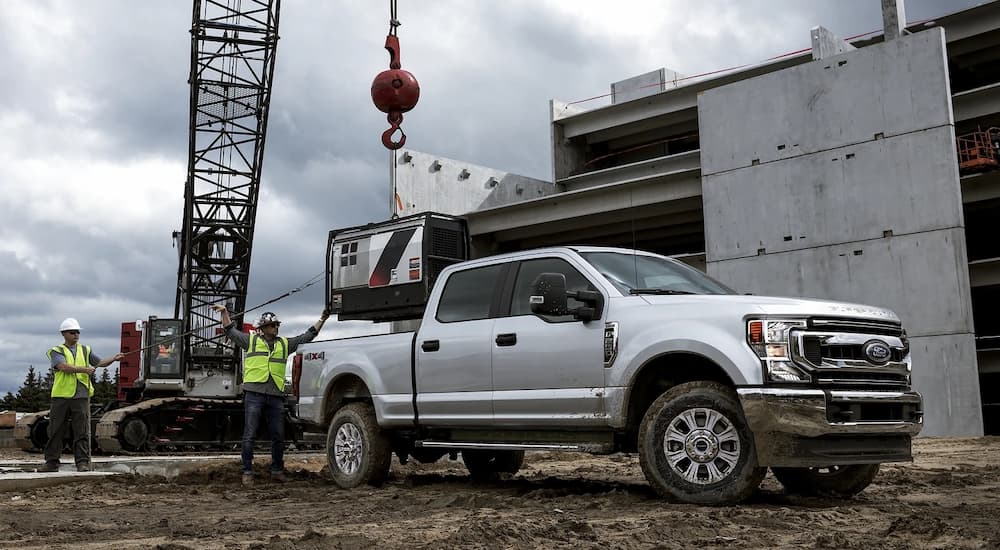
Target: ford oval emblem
{"points": [[877, 352]]}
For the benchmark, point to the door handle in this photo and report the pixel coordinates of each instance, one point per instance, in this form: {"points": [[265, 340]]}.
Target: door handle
{"points": [[430, 345], [508, 339]]}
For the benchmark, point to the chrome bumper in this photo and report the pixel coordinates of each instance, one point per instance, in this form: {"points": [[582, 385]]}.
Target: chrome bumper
{"points": [[794, 426]]}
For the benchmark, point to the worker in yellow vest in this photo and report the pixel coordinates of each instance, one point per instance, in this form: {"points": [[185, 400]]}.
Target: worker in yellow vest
{"points": [[72, 387], [264, 384]]}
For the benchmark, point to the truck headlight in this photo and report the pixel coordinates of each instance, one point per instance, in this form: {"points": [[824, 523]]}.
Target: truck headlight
{"points": [[769, 340]]}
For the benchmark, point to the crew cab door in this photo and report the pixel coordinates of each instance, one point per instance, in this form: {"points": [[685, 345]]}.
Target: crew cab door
{"points": [[547, 371], [453, 351]]}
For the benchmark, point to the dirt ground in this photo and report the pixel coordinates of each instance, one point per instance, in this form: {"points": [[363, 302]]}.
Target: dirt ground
{"points": [[947, 498]]}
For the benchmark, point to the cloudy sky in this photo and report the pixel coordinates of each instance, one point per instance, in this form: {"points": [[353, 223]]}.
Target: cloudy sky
{"points": [[93, 128]]}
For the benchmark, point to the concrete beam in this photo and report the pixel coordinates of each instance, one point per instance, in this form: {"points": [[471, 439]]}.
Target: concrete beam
{"points": [[984, 272], [977, 102], [684, 97], [969, 23], [595, 201], [980, 187], [660, 166], [989, 361], [650, 222]]}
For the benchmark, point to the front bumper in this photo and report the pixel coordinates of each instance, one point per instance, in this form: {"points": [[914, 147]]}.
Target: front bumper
{"points": [[796, 427]]}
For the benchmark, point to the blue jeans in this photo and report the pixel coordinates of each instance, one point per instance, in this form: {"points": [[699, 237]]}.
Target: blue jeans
{"points": [[272, 408]]}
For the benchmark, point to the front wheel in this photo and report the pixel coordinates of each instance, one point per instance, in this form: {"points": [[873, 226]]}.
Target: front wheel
{"points": [[695, 446], [832, 481], [356, 449]]}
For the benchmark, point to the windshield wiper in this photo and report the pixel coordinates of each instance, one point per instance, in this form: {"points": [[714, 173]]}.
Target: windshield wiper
{"points": [[657, 291]]}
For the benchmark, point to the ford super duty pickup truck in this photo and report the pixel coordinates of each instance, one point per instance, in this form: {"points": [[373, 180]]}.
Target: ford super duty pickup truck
{"points": [[608, 350]]}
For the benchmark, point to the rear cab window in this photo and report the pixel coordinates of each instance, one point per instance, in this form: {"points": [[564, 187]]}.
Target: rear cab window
{"points": [[468, 294]]}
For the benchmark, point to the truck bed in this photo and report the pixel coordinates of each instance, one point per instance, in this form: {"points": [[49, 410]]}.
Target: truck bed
{"points": [[391, 386]]}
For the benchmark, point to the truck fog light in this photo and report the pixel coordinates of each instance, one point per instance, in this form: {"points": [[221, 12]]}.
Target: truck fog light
{"points": [[783, 371], [777, 351]]}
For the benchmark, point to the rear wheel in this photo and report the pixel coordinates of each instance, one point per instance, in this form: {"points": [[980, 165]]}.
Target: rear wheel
{"points": [[357, 450], [695, 446], [832, 481], [486, 465]]}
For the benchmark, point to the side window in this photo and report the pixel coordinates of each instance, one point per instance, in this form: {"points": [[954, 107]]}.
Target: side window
{"points": [[531, 269], [467, 295]]}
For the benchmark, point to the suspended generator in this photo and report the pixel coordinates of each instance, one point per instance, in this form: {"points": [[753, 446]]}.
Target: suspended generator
{"points": [[385, 271]]}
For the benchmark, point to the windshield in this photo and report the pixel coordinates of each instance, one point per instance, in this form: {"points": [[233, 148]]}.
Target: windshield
{"points": [[640, 274]]}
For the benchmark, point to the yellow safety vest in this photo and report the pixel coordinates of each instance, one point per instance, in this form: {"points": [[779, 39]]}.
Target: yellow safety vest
{"points": [[261, 361], [64, 383]]}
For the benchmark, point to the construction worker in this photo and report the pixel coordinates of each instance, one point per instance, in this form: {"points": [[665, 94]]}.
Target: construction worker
{"points": [[264, 384], [72, 388]]}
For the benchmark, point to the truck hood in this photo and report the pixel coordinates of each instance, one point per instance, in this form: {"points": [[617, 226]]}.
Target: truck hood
{"points": [[774, 306]]}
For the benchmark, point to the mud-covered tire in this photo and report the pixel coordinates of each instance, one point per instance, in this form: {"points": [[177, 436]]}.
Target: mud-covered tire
{"points": [[485, 465], [357, 450], [834, 481], [695, 446]]}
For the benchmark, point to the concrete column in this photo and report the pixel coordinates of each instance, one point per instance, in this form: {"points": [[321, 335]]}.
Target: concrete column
{"points": [[893, 18]]}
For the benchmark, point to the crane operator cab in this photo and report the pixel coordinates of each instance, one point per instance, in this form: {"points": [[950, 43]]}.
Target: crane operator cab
{"points": [[167, 371]]}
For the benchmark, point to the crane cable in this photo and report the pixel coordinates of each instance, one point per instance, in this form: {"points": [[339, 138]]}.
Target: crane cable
{"points": [[393, 196], [393, 22], [312, 280]]}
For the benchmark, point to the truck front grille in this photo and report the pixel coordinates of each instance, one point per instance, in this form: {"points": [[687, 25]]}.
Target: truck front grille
{"points": [[837, 353]]}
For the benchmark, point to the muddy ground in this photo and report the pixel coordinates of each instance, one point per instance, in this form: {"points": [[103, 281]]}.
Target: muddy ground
{"points": [[948, 498]]}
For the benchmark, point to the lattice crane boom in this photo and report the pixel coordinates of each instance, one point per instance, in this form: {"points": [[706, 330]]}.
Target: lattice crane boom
{"points": [[233, 46]]}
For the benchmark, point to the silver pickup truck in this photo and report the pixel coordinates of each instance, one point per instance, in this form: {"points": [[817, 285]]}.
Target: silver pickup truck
{"points": [[608, 350]]}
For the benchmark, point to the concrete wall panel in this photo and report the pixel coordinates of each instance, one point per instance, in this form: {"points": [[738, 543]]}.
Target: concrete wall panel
{"points": [[845, 194], [920, 277], [433, 183], [890, 89], [952, 405], [838, 179]]}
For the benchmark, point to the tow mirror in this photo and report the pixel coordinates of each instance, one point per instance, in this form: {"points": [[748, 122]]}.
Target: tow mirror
{"points": [[548, 294]]}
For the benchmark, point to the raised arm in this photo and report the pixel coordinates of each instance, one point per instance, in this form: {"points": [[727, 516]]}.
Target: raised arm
{"points": [[226, 320]]}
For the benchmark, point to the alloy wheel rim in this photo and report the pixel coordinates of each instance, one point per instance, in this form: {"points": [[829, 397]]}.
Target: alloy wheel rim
{"points": [[702, 446], [347, 448]]}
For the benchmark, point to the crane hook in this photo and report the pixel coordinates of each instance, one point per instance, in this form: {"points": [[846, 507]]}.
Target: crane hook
{"points": [[394, 91], [395, 118]]}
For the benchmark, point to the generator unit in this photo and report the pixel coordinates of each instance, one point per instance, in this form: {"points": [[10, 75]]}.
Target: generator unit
{"points": [[385, 271]]}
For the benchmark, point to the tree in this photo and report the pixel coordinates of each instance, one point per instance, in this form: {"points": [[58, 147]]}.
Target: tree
{"points": [[105, 390], [7, 403], [31, 397]]}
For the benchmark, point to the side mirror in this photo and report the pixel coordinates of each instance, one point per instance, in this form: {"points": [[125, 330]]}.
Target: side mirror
{"points": [[548, 294]]}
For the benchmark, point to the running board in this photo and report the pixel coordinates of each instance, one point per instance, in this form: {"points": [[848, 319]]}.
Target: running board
{"points": [[459, 445]]}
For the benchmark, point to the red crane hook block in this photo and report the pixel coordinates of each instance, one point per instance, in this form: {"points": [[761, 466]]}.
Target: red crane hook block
{"points": [[394, 92]]}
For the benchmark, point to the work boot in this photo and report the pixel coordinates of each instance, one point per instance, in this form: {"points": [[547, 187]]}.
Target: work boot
{"points": [[278, 477], [83, 467], [248, 480], [50, 467]]}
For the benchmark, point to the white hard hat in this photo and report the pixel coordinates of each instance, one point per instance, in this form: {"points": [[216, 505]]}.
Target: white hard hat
{"points": [[69, 324], [268, 318]]}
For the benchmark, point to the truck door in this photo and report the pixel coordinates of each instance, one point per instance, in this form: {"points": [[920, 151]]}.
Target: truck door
{"points": [[547, 371], [453, 351]]}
